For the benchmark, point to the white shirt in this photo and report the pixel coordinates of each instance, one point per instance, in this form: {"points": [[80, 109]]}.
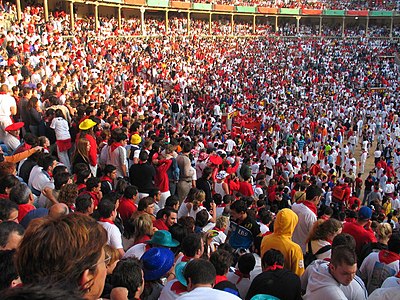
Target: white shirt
{"points": [[114, 237], [306, 220], [61, 128], [207, 293], [6, 102]]}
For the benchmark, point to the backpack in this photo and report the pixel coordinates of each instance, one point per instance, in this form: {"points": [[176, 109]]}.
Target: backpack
{"points": [[132, 150], [309, 257], [338, 193]]}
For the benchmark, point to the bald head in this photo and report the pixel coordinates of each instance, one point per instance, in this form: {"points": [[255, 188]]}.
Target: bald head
{"points": [[58, 210]]}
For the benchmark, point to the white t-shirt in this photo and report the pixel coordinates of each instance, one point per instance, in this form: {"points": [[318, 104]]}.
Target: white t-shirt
{"points": [[114, 237], [61, 128], [6, 102]]}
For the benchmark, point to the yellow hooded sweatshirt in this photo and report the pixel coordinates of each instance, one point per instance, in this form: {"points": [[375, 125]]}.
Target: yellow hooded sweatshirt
{"points": [[281, 239]]}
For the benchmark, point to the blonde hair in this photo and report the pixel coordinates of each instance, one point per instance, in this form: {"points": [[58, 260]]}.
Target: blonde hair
{"points": [[82, 148], [112, 252], [384, 230], [199, 198], [143, 225], [222, 222]]}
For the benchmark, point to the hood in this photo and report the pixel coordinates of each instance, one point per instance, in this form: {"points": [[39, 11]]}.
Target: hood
{"points": [[285, 222], [319, 277]]}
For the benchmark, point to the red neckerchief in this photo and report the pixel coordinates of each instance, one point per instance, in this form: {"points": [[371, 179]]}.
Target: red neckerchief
{"points": [[81, 186], [106, 178], [387, 257], [106, 220], [114, 146], [273, 267], [220, 278], [186, 258], [3, 93], [311, 206], [241, 275], [178, 288], [218, 229], [221, 205]]}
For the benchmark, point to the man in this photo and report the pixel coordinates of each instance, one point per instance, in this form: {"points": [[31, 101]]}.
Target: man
{"points": [[8, 108], [11, 235], [361, 229], [27, 93], [192, 247], [21, 194], [127, 204], [11, 137], [243, 229], [142, 175], [185, 172], [327, 279], [8, 211], [200, 276], [281, 240], [127, 279], [108, 212], [168, 218], [41, 174], [307, 215], [107, 181], [275, 280]]}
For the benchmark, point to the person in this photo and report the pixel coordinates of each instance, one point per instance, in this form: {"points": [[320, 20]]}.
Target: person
{"points": [[12, 137], [383, 233], [63, 137], [325, 282], [115, 154], [84, 204], [377, 266], [107, 180], [243, 229], [222, 260], [34, 116], [21, 195], [204, 183], [8, 108], [81, 155], [322, 235], [168, 218], [138, 229], [185, 172], [361, 229], [127, 204], [192, 247], [241, 276], [307, 215], [281, 239], [8, 211], [275, 280], [146, 205], [200, 276], [76, 261], [11, 234], [108, 212], [9, 277], [142, 175], [86, 128], [128, 275]]}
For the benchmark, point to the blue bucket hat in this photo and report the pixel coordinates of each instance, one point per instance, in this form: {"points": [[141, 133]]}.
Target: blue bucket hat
{"points": [[156, 263], [179, 271]]}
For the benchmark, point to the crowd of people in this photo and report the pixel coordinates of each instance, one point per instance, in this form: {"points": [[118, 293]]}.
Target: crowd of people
{"points": [[182, 167]]}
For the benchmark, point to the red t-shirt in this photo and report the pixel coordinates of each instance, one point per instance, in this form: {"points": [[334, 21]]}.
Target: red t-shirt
{"points": [[246, 189], [360, 234], [160, 224], [126, 208]]}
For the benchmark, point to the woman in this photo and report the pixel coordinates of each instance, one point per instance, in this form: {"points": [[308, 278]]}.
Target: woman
{"points": [[322, 235], [35, 116], [86, 128], [81, 153], [220, 186], [146, 205], [383, 233], [138, 230], [68, 194], [63, 137], [67, 251]]}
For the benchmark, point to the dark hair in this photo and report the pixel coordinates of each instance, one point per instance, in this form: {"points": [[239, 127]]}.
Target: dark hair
{"points": [[7, 269], [221, 260], [105, 208], [128, 274], [200, 271], [6, 208], [206, 172], [143, 156], [83, 202], [109, 169], [179, 233], [79, 167], [144, 203], [46, 161], [130, 191], [20, 193], [191, 244], [202, 218], [186, 147], [171, 201], [8, 181], [344, 239], [188, 222], [92, 183], [272, 257], [246, 263], [60, 179], [167, 211], [343, 254], [239, 206], [394, 243], [313, 191], [8, 227]]}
